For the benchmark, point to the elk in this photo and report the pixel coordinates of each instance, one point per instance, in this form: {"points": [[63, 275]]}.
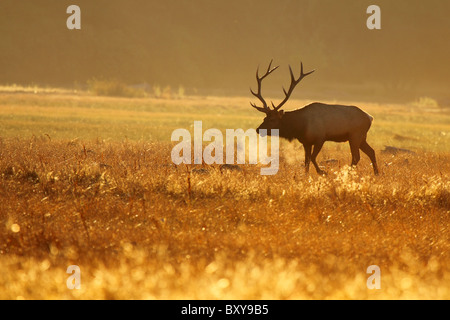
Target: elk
{"points": [[316, 123]]}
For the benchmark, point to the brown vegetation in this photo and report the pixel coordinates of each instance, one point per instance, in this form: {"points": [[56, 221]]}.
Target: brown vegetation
{"points": [[140, 227]]}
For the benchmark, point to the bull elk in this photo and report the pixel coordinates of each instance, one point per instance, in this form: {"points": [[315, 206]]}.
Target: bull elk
{"points": [[316, 123]]}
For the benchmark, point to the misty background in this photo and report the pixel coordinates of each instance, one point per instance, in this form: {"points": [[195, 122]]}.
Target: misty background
{"points": [[214, 47]]}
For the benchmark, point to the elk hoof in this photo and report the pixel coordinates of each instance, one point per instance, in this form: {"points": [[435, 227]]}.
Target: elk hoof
{"points": [[321, 172]]}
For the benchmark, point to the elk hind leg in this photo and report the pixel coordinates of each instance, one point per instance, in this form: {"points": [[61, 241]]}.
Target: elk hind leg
{"points": [[371, 154], [354, 149]]}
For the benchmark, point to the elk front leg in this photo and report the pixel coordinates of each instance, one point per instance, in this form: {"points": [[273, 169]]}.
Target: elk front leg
{"points": [[317, 148], [308, 149]]}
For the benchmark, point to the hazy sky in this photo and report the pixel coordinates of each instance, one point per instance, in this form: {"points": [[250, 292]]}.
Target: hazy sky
{"points": [[210, 44]]}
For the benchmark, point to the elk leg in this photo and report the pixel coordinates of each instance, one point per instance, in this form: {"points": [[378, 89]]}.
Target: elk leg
{"points": [[317, 148], [307, 148], [371, 154], [354, 148]]}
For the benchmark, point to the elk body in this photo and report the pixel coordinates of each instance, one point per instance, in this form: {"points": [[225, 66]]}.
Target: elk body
{"points": [[316, 123]]}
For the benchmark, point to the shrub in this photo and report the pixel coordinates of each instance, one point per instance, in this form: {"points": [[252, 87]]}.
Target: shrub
{"points": [[113, 87], [426, 103]]}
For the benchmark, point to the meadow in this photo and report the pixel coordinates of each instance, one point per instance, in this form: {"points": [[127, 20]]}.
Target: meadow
{"points": [[88, 181]]}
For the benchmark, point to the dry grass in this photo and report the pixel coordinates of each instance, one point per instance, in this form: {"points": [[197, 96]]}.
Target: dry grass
{"points": [[139, 227]]}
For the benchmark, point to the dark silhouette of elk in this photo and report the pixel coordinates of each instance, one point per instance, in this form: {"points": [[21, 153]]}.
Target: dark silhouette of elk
{"points": [[316, 123]]}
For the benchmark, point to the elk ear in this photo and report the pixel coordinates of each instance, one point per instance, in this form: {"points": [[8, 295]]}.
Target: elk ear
{"points": [[281, 113]]}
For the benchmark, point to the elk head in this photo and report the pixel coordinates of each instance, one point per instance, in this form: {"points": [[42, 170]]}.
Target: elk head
{"points": [[274, 116]]}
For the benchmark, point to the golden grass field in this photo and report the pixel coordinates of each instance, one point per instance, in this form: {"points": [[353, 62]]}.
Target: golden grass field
{"points": [[88, 181]]}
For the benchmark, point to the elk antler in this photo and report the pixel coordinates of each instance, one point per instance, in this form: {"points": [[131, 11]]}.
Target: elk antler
{"points": [[292, 86], [259, 80]]}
